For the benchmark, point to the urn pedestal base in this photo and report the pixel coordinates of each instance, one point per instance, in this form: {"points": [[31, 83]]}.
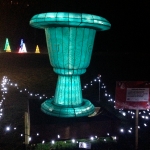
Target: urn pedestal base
{"points": [[85, 109]]}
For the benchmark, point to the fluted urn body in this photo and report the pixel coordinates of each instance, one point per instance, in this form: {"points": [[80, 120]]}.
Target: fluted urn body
{"points": [[70, 39]]}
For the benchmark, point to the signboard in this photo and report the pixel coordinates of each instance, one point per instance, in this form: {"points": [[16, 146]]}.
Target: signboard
{"points": [[85, 145], [132, 95]]}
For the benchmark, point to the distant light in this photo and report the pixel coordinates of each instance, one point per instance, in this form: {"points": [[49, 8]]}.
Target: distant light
{"points": [[58, 136], [124, 114], [29, 138], [92, 138], [21, 134], [129, 131], [53, 142], [146, 117], [108, 134], [121, 130], [73, 140], [7, 128], [43, 142], [37, 134], [15, 128], [114, 137], [105, 140]]}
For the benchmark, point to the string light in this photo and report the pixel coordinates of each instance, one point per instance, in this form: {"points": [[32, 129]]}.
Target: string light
{"points": [[126, 113]]}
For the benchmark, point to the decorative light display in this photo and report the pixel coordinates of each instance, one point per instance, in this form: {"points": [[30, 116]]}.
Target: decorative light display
{"points": [[37, 49], [22, 48], [123, 129], [7, 46], [70, 39]]}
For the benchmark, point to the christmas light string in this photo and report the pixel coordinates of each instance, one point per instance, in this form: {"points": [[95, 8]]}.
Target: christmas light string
{"points": [[144, 114]]}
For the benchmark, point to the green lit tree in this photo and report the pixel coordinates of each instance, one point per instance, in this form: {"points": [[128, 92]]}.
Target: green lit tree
{"points": [[7, 46]]}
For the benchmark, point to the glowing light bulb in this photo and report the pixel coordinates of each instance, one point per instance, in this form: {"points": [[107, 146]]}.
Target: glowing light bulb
{"points": [[73, 140]]}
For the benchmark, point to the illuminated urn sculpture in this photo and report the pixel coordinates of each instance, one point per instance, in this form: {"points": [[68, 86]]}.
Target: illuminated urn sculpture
{"points": [[70, 39]]}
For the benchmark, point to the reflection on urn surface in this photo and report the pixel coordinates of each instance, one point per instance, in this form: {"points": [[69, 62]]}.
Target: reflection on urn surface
{"points": [[70, 39]]}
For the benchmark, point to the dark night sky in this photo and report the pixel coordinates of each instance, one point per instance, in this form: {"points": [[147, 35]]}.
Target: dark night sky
{"points": [[130, 22]]}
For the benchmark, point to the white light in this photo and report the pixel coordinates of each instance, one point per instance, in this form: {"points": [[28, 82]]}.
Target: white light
{"points": [[121, 130], [15, 128], [145, 124], [146, 117], [92, 138], [124, 114], [21, 134], [43, 142], [105, 140], [58, 136], [29, 138], [114, 137], [129, 131], [73, 140], [37, 134], [53, 142], [108, 134], [7, 128]]}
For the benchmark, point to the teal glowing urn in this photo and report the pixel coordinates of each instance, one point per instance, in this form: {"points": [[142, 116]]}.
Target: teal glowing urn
{"points": [[70, 39]]}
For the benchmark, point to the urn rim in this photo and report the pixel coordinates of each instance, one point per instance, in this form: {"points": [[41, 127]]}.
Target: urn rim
{"points": [[68, 19]]}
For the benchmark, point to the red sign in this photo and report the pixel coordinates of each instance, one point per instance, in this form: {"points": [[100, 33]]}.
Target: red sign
{"points": [[132, 95]]}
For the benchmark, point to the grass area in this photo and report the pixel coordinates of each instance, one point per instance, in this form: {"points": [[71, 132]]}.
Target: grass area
{"points": [[104, 143]]}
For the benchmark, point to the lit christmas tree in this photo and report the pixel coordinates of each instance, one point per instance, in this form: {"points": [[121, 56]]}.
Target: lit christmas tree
{"points": [[37, 49], [22, 48], [7, 46]]}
